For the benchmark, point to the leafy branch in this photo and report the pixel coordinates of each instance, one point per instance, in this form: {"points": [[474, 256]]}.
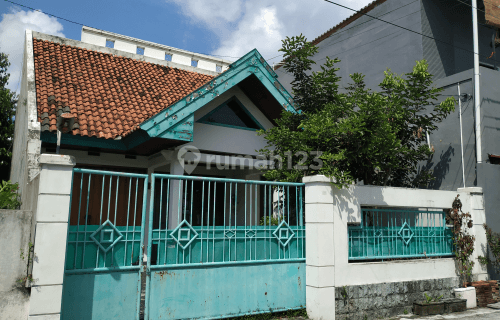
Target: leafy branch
{"points": [[462, 240], [493, 250], [9, 199]]}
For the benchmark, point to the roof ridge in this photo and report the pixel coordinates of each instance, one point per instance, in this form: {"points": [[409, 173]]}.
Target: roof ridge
{"points": [[134, 56], [124, 57]]}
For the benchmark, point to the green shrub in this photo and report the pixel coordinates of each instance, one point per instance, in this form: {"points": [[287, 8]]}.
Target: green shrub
{"points": [[271, 221], [493, 250], [9, 199]]}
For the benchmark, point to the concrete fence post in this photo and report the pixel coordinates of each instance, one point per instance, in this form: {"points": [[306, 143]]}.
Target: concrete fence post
{"points": [[474, 204], [320, 248], [50, 235]]}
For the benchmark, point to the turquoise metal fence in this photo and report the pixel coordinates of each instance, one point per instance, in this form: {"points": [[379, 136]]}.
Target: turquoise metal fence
{"points": [[104, 245], [391, 233], [218, 240]]}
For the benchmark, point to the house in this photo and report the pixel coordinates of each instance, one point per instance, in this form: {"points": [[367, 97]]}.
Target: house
{"points": [[440, 32], [129, 102], [121, 111]]}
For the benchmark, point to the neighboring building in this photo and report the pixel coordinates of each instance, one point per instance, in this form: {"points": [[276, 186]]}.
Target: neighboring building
{"points": [[153, 50], [369, 46]]}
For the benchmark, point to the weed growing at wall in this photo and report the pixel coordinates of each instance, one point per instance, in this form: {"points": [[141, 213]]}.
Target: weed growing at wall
{"points": [[493, 252], [300, 313], [430, 298], [272, 221], [28, 258]]}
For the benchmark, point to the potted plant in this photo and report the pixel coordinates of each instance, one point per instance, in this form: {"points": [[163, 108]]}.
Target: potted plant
{"points": [[454, 305], [463, 243], [431, 306]]}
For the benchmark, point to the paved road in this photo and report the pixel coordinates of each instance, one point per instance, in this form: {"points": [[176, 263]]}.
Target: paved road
{"points": [[479, 313]]}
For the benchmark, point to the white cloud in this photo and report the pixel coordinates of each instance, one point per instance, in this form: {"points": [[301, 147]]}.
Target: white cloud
{"points": [[247, 24], [12, 35], [219, 16]]}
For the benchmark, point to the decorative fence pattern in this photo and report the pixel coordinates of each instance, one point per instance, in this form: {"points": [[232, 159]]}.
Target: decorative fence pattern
{"points": [[234, 247], [387, 233], [215, 220], [104, 245], [106, 220]]}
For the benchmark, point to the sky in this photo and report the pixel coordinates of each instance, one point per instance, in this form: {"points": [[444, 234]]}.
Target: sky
{"points": [[225, 28]]}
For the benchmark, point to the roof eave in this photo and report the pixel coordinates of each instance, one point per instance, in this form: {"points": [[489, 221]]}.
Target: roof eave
{"points": [[176, 121]]}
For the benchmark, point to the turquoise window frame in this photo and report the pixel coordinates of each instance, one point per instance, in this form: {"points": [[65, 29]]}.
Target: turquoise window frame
{"points": [[233, 98]]}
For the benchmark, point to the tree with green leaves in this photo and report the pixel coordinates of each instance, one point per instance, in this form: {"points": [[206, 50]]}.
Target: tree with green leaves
{"points": [[8, 100], [357, 134]]}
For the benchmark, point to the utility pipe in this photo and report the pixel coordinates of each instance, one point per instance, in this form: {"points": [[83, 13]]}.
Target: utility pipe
{"points": [[461, 136], [477, 100]]}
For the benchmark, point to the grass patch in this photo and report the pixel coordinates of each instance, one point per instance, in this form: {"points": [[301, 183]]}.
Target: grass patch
{"points": [[274, 315]]}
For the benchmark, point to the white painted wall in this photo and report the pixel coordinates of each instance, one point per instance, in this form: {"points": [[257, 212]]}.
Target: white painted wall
{"points": [[328, 212], [93, 38], [27, 144], [182, 59], [151, 49], [15, 229], [225, 139], [208, 65], [126, 46], [105, 159], [154, 53]]}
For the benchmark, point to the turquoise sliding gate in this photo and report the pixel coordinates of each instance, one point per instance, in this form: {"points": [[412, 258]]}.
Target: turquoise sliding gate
{"points": [[216, 247], [222, 248], [105, 236]]}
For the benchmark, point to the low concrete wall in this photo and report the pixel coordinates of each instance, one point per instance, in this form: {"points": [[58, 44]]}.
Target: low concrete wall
{"points": [[328, 213], [15, 228], [383, 300]]}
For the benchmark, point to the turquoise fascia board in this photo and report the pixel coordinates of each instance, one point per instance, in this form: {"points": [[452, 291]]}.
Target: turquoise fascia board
{"points": [[203, 119], [181, 112], [127, 143], [181, 131]]}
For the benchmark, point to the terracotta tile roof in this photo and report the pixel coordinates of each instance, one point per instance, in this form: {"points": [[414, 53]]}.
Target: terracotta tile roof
{"points": [[343, 24], [109, 95]]}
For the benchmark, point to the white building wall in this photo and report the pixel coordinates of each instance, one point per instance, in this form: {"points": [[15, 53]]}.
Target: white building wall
{"points": [[105, 159], [152, 50], [154, 53], [207, 65], [124, 46], [225, 139], [95, 39], [27, 144], [182, 59]]}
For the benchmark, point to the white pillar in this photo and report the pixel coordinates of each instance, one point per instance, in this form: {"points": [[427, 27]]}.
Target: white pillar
{"points": [[50, 235], [474, 204], [320, 249], [174, 210]]}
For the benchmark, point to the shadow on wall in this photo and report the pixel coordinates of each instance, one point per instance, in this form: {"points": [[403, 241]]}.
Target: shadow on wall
{"points": [[348, 203], [440, 169]]}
